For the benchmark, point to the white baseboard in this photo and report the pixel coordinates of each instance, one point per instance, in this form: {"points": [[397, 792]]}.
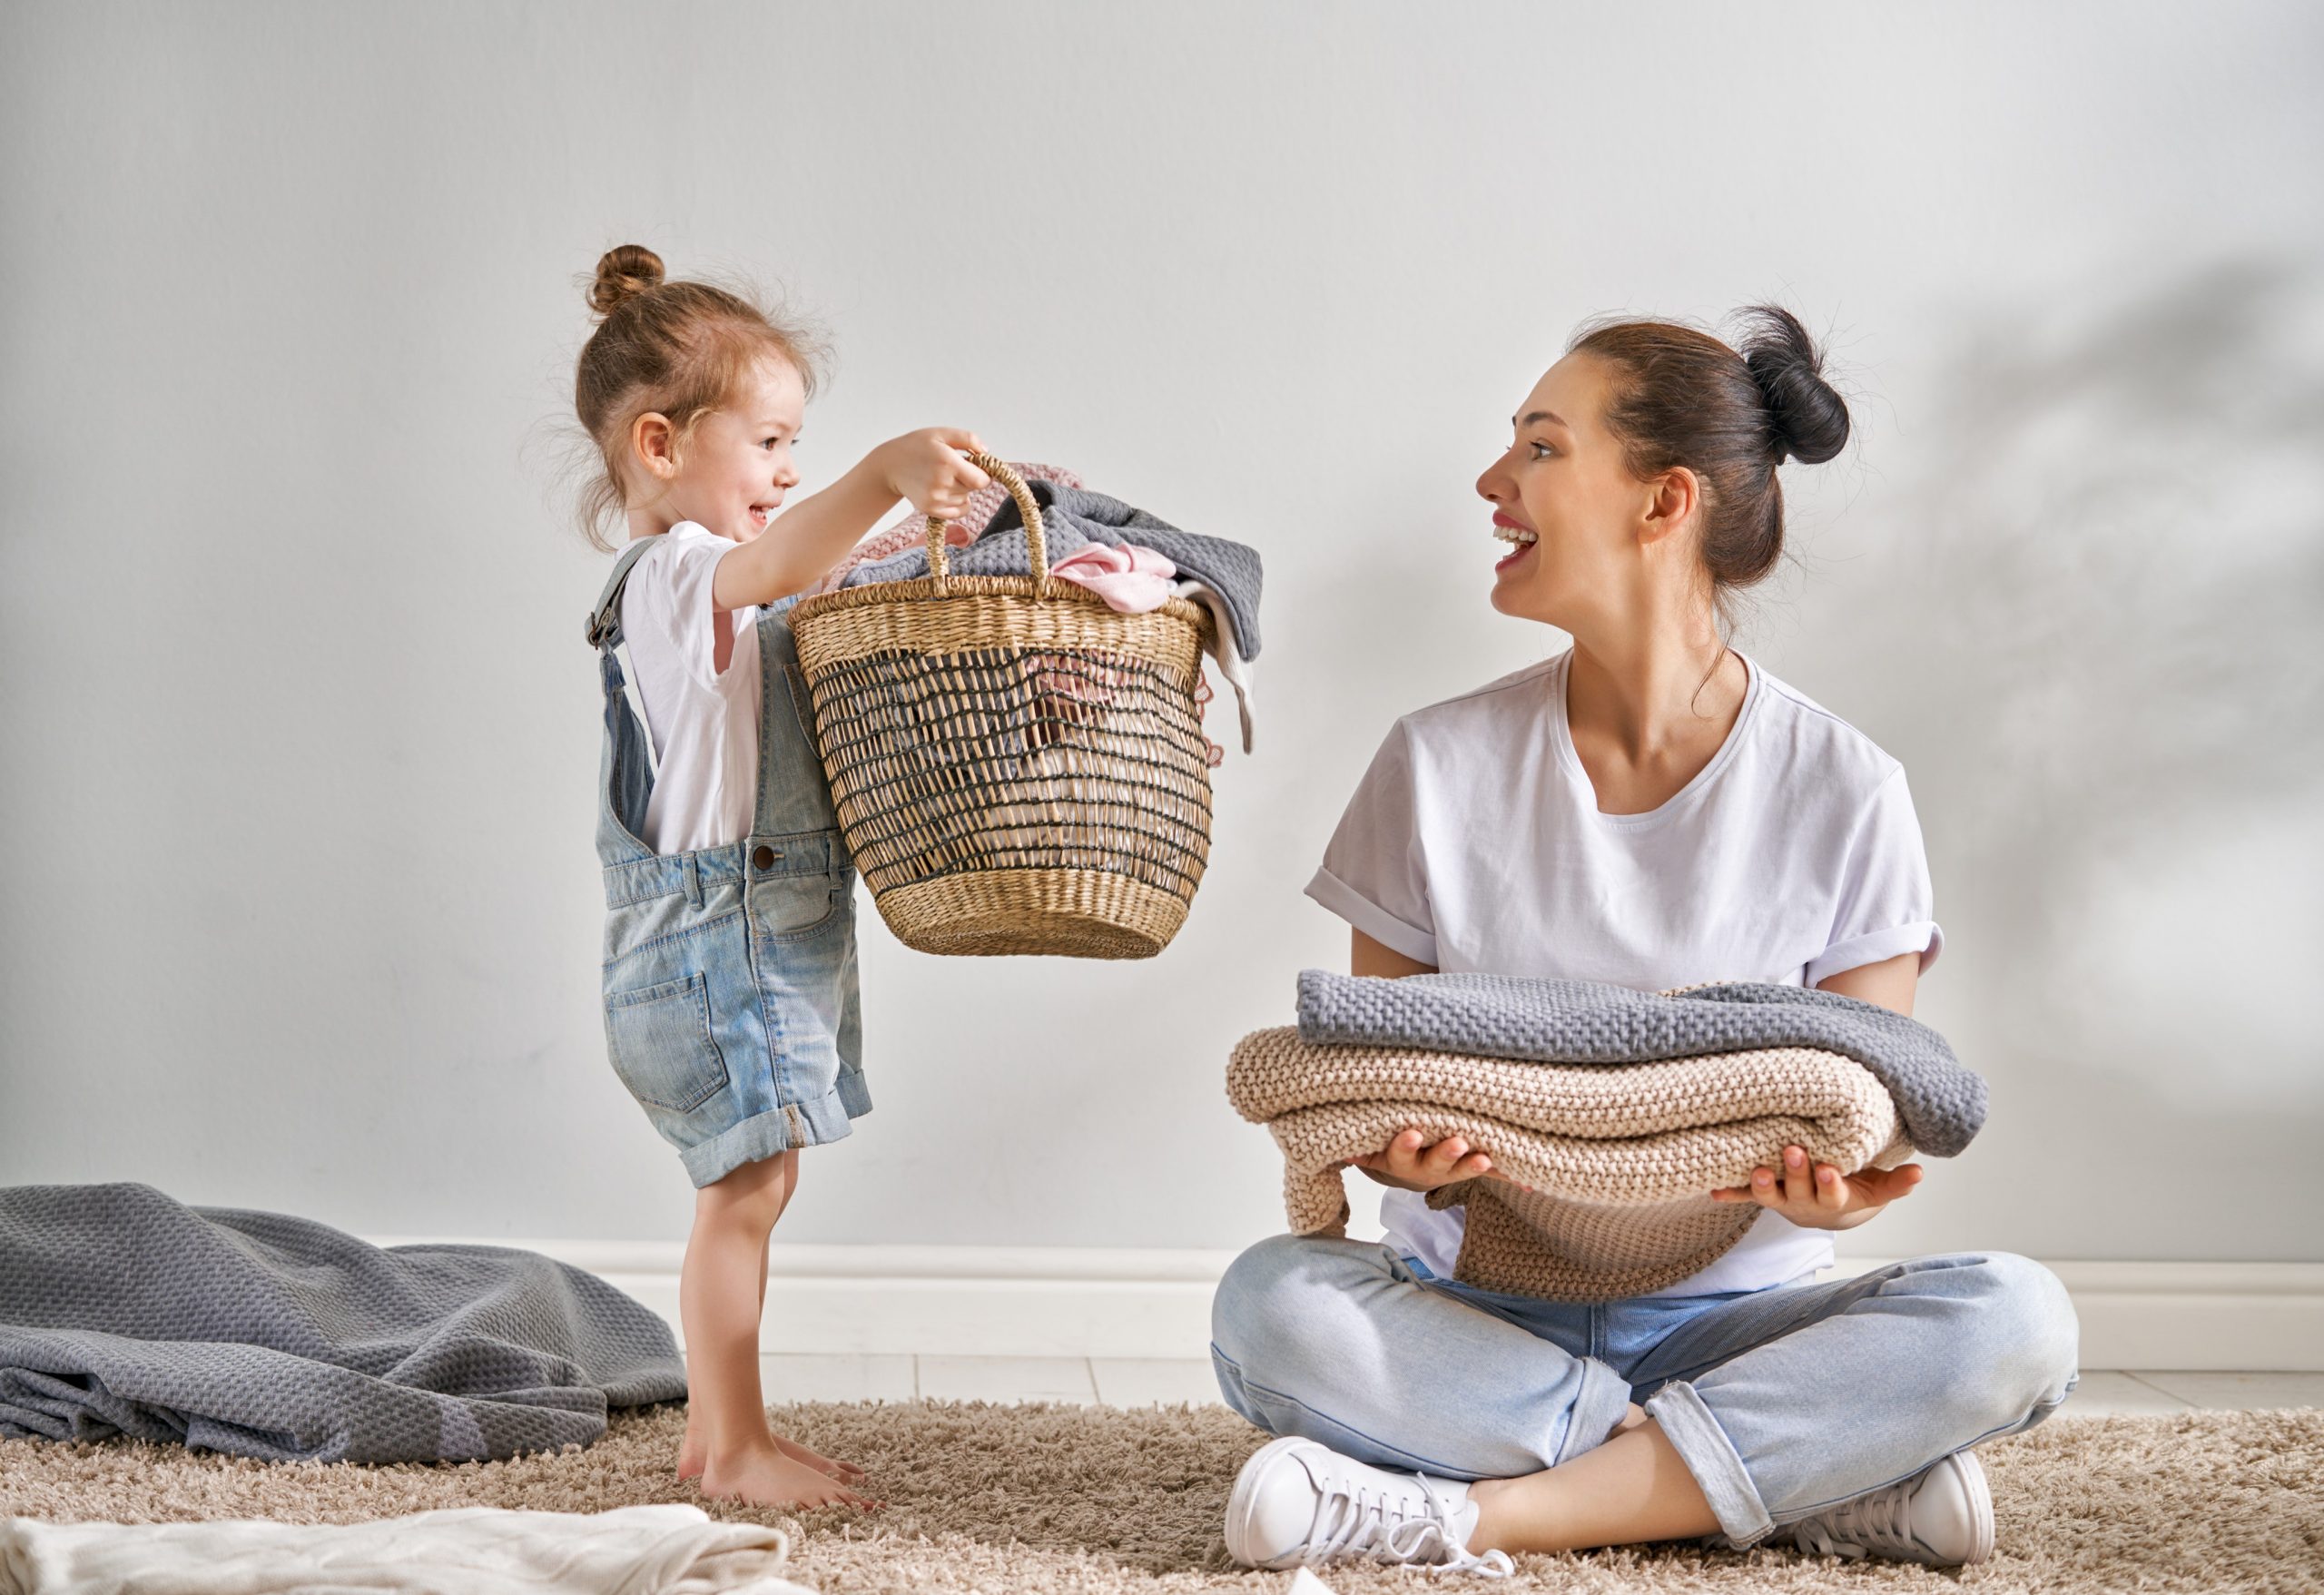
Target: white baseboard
{"points": [[2226, 1316], [1133, 1302]]}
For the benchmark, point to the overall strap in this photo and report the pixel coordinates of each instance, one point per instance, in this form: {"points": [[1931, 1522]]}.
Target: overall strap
{"points": [[793, 797], [605, 623], [607, 615]]}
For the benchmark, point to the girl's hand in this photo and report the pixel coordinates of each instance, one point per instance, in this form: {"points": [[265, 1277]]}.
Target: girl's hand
{"points": [[1409, 1164], [1822, 1197], [931, 468]]}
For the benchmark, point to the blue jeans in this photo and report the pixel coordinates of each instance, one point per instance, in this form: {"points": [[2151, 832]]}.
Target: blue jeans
{"points": [[1782, 1402]]}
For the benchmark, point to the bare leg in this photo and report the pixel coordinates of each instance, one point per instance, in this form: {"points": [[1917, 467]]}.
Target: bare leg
{"points": [[719, 1301], [845, 1473], [691, 1449], [1633, 1488]]}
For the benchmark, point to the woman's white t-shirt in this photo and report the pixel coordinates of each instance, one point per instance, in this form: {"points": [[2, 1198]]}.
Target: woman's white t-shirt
{"points": [[1474, 843], [704, 721]]}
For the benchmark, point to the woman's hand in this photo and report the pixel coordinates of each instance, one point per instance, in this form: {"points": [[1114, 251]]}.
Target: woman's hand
{"points": [[1410, 1164], [931, 468], [1822, 1197]]}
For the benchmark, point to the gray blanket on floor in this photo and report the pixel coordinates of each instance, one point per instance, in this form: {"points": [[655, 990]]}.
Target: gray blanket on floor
{"points": [[1942, 1104], [1074, 517], [123, 1311]]}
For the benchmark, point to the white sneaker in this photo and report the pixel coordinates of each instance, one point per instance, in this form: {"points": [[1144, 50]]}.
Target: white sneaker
{"points": [[1296, 1501], [1943, 1516]]}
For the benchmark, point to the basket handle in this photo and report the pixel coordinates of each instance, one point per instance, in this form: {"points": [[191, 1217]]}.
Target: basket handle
{"points": [[999, 470]]}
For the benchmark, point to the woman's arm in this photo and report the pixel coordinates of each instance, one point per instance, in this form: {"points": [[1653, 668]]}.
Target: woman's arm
{"points": [[1889, 983], [1367, 957], [1820, 1196], [1408, 1162]]}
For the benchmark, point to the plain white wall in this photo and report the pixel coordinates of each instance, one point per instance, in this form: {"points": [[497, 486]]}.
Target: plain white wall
{"points": [[300, 906]]}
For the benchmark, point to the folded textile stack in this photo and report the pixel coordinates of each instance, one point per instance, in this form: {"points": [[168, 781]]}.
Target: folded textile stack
{"points": [[1622, 1110]]}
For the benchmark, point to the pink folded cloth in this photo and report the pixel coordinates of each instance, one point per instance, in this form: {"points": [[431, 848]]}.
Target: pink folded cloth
{"points": [[1129, 578], [912, 530]]}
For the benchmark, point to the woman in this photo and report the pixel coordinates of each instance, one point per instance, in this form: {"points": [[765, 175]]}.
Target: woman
{"points": [[1651, 809]]}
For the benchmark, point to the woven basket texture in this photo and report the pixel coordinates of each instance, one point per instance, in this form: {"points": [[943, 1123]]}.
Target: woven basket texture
{"points": [[1018, 769]]}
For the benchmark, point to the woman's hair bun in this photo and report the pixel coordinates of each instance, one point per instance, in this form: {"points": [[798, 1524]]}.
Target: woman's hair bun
{"points": [[1810, 418], [624, 272]]}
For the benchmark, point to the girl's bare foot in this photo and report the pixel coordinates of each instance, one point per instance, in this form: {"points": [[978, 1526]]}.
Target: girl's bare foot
{"points": [[845, 1473], [692, 1453], [764, 1476]]}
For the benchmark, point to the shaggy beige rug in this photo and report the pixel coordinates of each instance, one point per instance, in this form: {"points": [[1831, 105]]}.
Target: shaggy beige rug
{"points": [[1067, 1498]]}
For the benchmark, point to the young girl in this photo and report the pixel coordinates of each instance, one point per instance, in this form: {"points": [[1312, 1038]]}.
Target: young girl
{"points": [[730, 985]]}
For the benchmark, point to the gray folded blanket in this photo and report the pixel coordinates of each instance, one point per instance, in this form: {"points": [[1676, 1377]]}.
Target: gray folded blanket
{"points": [[123, 1311], [1073, 518], [1942, 1104]]}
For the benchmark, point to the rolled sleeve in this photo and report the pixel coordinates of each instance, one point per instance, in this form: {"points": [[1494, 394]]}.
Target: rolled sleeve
{"points": [[1370, 918], [1884, 906], [1924, 937], [1374, 873]]}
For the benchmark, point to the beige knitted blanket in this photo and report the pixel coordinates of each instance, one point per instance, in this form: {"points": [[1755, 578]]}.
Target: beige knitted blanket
{"points": [[1623, 1158]]}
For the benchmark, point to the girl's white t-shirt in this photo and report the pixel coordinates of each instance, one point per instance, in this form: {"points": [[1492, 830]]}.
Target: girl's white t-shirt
{"points": [[1474, 843], [704, 721]]}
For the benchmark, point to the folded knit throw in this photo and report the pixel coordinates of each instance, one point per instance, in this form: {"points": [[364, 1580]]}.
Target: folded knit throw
{"points": [[1942, 1104], [260, 1334], [1621, 1160]]}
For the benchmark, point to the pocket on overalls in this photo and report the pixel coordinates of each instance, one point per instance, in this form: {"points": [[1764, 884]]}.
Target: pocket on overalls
{"points": [[659, 1039], [798, 908]]}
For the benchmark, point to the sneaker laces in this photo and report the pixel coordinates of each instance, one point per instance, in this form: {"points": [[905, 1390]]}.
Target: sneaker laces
{"points": [[1881, 1521], [1381, 1527]]}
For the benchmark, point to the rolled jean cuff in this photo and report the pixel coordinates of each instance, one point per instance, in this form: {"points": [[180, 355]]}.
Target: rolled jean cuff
{"points": [[1602, 1402], [1695, 1434]]}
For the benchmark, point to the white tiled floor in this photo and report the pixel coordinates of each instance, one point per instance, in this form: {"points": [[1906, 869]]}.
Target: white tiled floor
{"points": [[2240, 1389], [838, 1378], [1007, 1379], [1129, 1381]]}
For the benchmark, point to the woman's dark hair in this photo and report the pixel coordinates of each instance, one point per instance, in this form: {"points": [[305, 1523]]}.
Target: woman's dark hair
{"points": [[1679, 396]]}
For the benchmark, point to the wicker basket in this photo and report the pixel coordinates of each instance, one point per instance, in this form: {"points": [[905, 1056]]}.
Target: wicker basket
{"points": [[1017, 768]]}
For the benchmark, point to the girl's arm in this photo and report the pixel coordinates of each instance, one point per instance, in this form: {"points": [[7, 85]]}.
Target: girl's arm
{"points": [[927, 468]]}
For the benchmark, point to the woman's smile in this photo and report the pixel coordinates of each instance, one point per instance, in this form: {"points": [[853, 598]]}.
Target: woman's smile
{"points": [[1510, 530]]}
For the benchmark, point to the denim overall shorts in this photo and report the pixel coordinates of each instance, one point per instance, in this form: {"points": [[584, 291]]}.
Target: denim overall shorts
{"points": [[732, 1009]]}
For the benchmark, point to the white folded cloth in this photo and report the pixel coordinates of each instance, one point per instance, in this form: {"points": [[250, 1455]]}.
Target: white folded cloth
{"points": [[1224, 647], [673, 1549]]}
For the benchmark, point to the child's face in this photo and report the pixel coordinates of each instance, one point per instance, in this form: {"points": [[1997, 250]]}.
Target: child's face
{"points": [[734, 470]]}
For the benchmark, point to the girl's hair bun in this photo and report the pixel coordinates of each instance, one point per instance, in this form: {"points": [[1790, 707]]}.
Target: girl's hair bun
{"points": [[622, 273], [1809, 418]]}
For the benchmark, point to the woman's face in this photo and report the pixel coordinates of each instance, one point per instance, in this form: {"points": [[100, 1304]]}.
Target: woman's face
{"points": [[1564, 502]]}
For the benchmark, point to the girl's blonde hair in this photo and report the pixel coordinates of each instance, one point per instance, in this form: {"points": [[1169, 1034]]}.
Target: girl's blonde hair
{"points": [[680, 350]]}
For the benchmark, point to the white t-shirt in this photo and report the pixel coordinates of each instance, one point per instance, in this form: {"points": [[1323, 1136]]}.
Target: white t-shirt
{"points": [[704, 720], [1474, 843]]}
